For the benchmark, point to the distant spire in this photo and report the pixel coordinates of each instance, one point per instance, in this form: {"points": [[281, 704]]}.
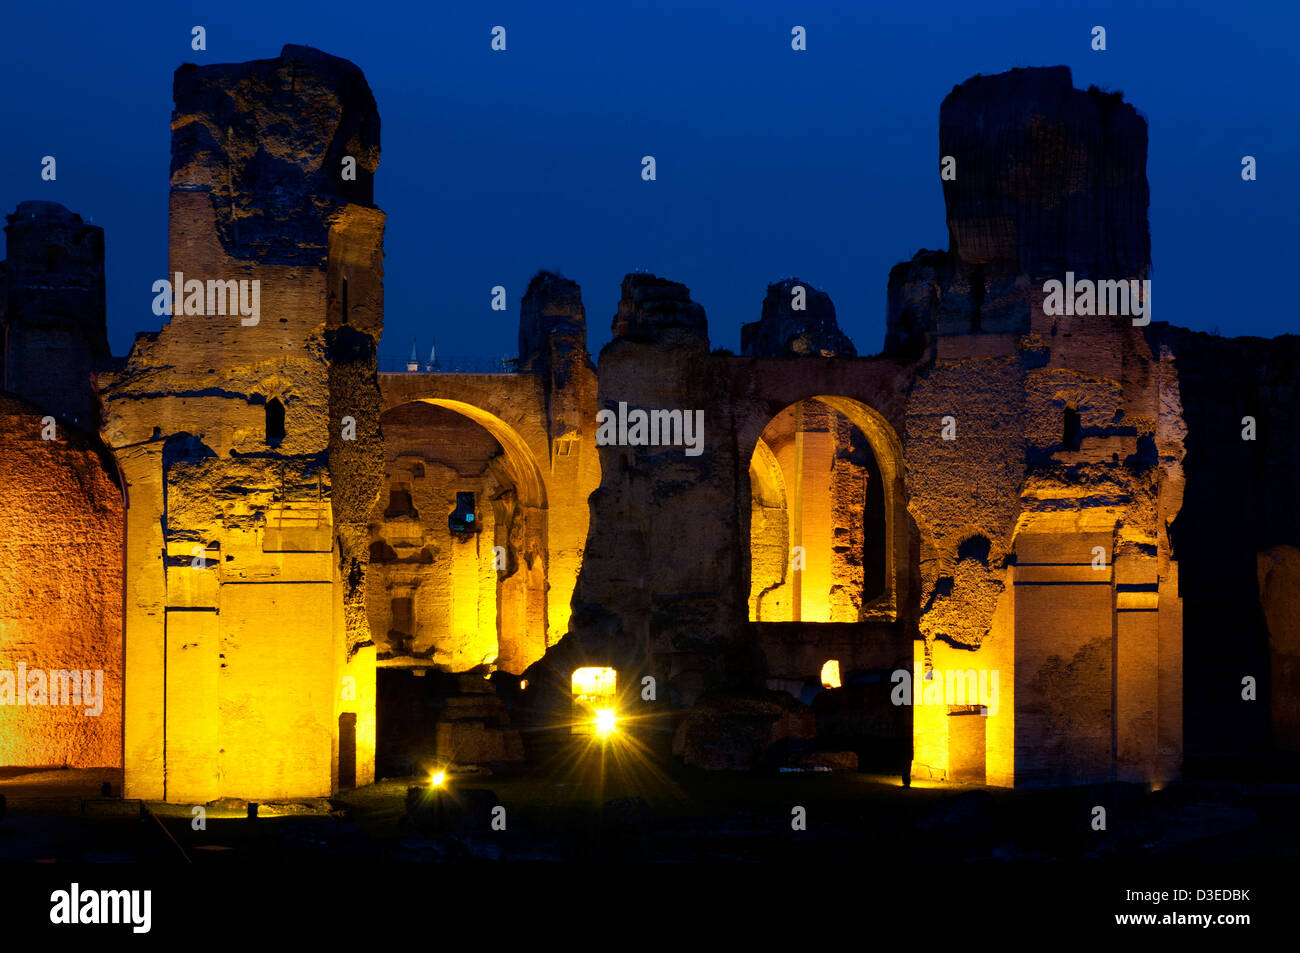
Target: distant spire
{"points": [[413, 357]]}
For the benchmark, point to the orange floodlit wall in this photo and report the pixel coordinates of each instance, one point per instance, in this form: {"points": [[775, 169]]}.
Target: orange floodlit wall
{"points": [[60, 596]]}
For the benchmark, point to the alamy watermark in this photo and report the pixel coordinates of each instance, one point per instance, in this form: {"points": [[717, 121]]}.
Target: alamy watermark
{"points": [[956, 687], [75, 905], [53, 687], [241, 296], [1087, 297], [653, 428]]}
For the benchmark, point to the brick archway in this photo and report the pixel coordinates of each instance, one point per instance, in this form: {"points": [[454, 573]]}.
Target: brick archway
{"points": [[773, 513]]}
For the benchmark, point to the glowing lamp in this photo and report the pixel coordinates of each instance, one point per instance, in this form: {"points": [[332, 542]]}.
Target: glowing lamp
{"points": [[831, 674], [439, 777], [604, 722], [594, 681], [594, 690]]}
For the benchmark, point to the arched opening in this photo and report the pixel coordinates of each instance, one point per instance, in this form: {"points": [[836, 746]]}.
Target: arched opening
{"points": [[824, 517], [460, 536], [457, 583]]}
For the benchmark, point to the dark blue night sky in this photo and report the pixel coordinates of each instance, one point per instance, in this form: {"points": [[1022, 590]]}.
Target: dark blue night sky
{"points": [[821, 164]]}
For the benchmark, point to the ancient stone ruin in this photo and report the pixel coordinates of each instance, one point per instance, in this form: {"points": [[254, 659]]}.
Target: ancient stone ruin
{"points": [[992, 552]]}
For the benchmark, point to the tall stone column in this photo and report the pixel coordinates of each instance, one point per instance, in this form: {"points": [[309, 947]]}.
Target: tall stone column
{"points": [[144, 620]]}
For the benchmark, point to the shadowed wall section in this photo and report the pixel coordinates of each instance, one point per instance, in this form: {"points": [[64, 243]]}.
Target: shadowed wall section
{"points": [[52, 309]]}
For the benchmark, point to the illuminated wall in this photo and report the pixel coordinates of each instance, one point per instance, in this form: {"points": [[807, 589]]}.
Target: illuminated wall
{"points": [[770, 592], [278, 547], [249, 665], [525, 445], [1045, 556], [1103, 644], [817, 521], [437, 596], [60, 593]]}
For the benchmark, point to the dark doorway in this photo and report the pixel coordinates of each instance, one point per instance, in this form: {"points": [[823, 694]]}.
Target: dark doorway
{"points": [[347, 750], [1073, 435], [274, 423]]}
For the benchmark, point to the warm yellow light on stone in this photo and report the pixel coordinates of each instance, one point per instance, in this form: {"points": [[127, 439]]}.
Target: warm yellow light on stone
{"points": [[831, 674], [594, 681], [56, 614], [593, 696], [810, 531]]}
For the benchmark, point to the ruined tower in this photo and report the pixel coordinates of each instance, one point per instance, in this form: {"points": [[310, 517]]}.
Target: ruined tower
{"points": [[248, 436], [797, 320], [1044, 451], [52, 310]]}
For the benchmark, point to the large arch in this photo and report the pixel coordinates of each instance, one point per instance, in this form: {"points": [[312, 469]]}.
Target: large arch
{"points": [[482, 595], [554, 468], [766, 488], [519, 458], [514, 404]]}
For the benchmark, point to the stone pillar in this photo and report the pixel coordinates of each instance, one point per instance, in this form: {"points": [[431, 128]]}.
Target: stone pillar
{"points": [[1169, 732], [815, 452], [553, 344], [249, 661], [1137, 667], [1064, 655], [145, 624]]}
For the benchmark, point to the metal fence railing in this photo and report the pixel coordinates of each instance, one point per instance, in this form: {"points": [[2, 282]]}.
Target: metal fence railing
{"points": [[449, 365]]}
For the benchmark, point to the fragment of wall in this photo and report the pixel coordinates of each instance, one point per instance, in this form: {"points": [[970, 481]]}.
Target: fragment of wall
{"points": [[61, 525]]}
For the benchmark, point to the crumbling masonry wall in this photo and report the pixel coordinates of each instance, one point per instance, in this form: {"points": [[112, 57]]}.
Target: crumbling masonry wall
{"points": [[1044, 452], [666, 583], [52, 310], [434, 592], [249, 664], [1026, 495], [1037, 462], [60, 594]]}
